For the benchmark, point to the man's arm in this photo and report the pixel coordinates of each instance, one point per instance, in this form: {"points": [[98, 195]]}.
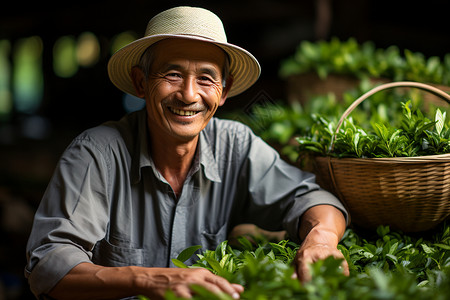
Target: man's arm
{"points": [[321, 229], [90, 281]]}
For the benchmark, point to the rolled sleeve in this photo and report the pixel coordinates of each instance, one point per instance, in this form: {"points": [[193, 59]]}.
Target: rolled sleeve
{"points": [[53, 264]]}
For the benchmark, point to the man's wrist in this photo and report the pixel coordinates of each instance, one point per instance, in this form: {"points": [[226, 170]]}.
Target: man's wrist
{"points": [[321, 222], [323, 236]]}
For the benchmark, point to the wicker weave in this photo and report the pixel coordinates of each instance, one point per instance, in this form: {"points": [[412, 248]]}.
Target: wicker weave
{"points": [[411, 194]]}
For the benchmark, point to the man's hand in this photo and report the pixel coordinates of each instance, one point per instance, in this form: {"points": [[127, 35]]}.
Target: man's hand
{"points": [[90, 281], [318, 245], [180, 281], [321, 229]]}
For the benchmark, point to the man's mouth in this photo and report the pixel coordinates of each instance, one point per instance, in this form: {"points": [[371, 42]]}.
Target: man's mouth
{"points": [[181, 112]]}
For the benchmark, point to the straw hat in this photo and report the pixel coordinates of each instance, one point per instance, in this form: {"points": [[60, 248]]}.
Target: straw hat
{"points": [[191, 23]]}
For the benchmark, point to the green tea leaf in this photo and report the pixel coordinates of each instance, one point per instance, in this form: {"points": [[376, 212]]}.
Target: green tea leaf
{"points": [[178, 263], [218, 269], [427, 249], [442, 246], [245, 243], [440, 121], [392, 257], [187, 253]]}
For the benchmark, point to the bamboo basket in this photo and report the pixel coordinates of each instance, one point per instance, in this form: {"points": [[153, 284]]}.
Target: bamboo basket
{"points": [[411, 194]]}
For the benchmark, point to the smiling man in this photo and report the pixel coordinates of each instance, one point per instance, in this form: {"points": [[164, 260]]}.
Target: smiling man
{"points": [[183, 88], [130, 195]]}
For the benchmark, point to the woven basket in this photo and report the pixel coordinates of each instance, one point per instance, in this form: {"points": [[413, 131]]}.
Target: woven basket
{"points": [[410, 194]]}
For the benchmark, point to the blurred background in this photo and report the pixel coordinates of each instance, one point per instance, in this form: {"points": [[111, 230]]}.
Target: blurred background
{"points": [[54, 84]]}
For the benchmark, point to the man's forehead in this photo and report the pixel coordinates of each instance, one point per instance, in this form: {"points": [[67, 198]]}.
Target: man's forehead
{"points": [[207, 68]]}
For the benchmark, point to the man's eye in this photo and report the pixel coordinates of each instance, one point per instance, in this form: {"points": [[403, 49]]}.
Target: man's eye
{"points": [[205, 79], [173, 75]]}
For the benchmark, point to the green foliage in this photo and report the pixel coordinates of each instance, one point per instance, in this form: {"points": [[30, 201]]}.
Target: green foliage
{"points": [[393, 251], [383, 265], [378, 134], [412, 135], [365, 60], [185, 255], [313, 124]]}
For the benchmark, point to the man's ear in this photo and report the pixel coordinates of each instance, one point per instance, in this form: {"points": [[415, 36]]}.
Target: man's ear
{"points": [[138, 79], [226, 89]]}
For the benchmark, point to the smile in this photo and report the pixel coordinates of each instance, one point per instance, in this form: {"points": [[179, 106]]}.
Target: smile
{"points": [[183, 112]]}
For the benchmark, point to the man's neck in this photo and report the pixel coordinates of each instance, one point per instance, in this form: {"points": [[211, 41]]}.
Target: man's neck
{"points": [[173, 160]]}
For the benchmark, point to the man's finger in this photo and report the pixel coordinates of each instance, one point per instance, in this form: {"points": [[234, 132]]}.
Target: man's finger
{"points": [[346, 269], [223, 285], [302, 269], [212, 288], [239, 288], [182, 291]]}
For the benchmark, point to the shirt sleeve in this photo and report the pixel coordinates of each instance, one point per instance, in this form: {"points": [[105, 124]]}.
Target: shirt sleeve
{"points": [[71, 217], [280, 192]]}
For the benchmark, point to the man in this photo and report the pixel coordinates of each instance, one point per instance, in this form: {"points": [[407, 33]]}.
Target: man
{"points": [[128, 196]]}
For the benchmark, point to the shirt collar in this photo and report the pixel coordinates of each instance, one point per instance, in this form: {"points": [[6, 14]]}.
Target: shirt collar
{"points": [[207, 159], [142, 159]]}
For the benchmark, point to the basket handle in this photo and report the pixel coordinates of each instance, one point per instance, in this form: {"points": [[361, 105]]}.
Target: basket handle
{"points": [[386, 86]]}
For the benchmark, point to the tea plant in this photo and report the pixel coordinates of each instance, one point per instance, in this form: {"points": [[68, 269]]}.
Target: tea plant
{"points": [[365, 60], [415, 135], [383, 265], [280, 124]]}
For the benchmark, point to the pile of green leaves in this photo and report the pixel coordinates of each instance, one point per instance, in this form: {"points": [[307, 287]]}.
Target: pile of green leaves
{"points": [[365, 60], [280, 124], [392, 251], [384, 265], [412, 135]]}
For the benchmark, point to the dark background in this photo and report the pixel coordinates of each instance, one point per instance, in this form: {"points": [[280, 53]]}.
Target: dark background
{"points": [[269, 29]]}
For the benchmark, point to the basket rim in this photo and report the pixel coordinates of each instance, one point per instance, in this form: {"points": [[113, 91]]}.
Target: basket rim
{"points": [[412, 159]]}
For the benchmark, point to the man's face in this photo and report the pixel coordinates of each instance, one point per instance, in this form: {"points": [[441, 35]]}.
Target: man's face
{"points": [[184, 88]]}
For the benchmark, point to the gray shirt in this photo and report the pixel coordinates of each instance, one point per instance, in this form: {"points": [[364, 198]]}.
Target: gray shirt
{"points": [[108, 204]]}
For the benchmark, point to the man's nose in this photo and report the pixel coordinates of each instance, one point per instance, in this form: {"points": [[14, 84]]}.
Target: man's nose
{"points": [[189, 92]]}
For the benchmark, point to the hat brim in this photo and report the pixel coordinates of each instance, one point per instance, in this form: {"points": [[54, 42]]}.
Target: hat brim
{"points": [[244, 67]]}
